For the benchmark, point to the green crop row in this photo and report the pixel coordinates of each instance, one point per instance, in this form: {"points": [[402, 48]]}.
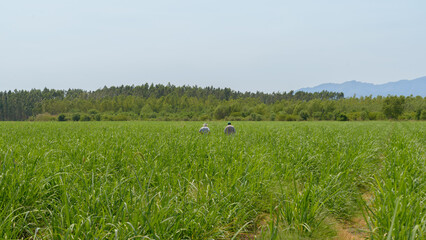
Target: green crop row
{"points": [[163, 180]]}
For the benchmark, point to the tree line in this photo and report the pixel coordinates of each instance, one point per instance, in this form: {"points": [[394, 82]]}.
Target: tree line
{"points": [[169, 102]]}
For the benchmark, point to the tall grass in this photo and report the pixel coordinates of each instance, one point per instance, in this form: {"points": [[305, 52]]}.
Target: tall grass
{"points": [[159, 180], [398, 209]]}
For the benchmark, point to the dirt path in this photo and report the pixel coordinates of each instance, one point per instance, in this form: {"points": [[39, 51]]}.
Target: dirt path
{"points": [[356, 228], [353, 230]]}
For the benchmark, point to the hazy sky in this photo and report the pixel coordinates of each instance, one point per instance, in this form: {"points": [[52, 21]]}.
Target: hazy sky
{"points": [[269, 45]]}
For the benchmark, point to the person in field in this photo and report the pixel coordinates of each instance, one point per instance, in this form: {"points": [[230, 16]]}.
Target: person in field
{"points": [[229, 130], [204, 129]]}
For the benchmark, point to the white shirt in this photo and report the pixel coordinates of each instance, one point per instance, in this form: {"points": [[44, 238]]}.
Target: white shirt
{"points": [[204, 130]]}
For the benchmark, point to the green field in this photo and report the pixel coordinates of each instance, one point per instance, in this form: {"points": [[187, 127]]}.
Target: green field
{"points": [[162, 180]]}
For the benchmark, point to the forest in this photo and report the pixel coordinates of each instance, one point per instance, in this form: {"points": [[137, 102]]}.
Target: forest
{"points": [[193, 103]]}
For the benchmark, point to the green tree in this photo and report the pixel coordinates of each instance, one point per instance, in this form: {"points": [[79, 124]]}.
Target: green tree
{"points": [[222, 111], [393, 106]]}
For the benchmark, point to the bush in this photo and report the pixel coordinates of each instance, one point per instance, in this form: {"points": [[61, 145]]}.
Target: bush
{"points": [[204, 117], [408, 116], [304, 115], [76, 117], [376, 116], [328, 116], [120, 117], [291, 117], [364, 115], [98, 117], [372, 115], [317, 115], [354, 116], [85, 118], [341, 117], [234, 118], [381, 116], [236, 114], [93, 111], [423, 115], [61, 117], [45, 117], [255, 117], [282, 116]]}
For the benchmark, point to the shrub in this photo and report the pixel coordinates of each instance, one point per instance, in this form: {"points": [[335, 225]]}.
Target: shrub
{"points": [[342, 117], [376, 116], [234, 118], [282, 116], [317, 115], [61, 117], [93, 111], [45, 117], [204, 117], [255, 117], [76, 117], [354, 116], [98, 117], [304, 115], [85, 118], [291, 117], [364, 115], [236, 114], [423, 115], [120, 117]]}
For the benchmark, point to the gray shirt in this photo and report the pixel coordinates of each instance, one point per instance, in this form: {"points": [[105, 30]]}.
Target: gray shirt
{"points": [[204, 130], [230, 130]]}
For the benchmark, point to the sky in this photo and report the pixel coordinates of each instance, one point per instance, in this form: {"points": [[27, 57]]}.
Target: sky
{"points": [[246, 45]]}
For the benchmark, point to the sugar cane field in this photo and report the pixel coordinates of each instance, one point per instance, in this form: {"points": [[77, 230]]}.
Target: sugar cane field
{"points": [[164, 180]]}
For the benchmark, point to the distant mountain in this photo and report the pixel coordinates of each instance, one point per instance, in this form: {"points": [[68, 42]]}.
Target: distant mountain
{"points": [[415, 87]]}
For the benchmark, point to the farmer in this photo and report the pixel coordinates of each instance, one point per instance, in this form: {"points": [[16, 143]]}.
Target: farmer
{"points": [[229, 129], [204, 129]]}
